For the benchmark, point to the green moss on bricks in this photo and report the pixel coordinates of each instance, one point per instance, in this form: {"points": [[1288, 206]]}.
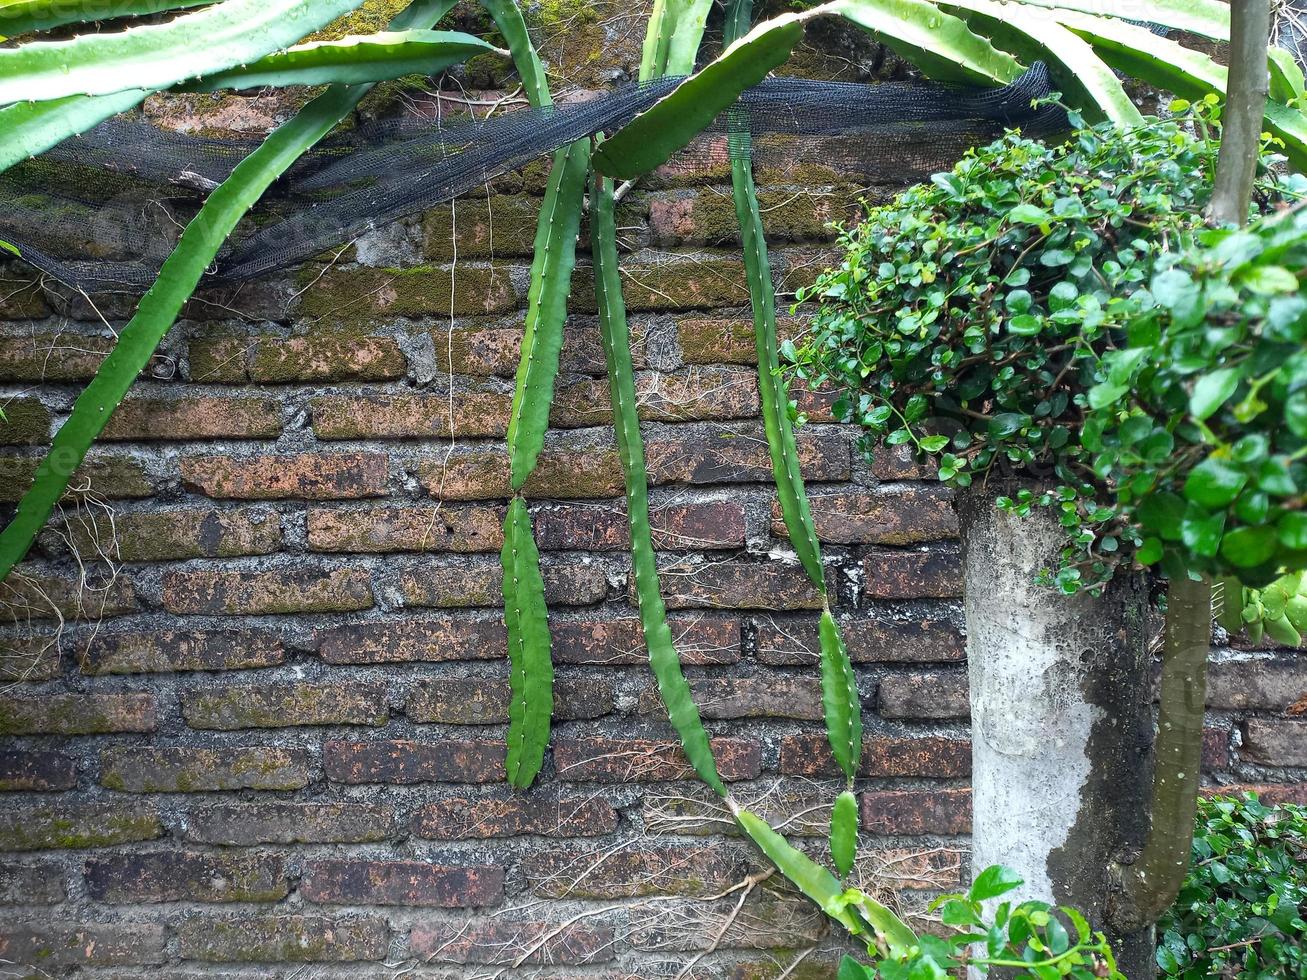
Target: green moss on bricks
{"points": [[26, 422], [363, 296], [72, 826], [368, 18]]}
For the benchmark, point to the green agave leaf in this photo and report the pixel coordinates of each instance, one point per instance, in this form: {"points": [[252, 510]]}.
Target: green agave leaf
{"points": [[180, 273], [508, 18], [222, 36], [844, 832], [809, 877], [839, 696], [351, 60], [1035, 35], [551, 281], [940, 44], [531, 674], [25, 16], [1171, 66], [1286, 76], [1208, 18], [663, 658], [30, 128]]}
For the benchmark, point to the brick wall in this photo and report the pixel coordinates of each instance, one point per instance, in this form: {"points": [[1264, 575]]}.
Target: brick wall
{"points": [[256, 687]]}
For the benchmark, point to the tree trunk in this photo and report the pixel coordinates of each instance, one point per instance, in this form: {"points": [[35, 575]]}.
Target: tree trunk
{"points": [[1061, 720], [1241, 119]]}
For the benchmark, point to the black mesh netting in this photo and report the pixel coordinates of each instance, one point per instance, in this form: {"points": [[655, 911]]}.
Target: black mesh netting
{"points": [[103, 210]]}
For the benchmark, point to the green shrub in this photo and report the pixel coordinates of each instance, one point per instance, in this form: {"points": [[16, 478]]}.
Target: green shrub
{"points": [[1061, 314], [1240, 912]]}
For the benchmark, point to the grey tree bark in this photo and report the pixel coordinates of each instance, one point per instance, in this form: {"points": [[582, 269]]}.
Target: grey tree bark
{"points": [[1061, 720], [1241, 118]]}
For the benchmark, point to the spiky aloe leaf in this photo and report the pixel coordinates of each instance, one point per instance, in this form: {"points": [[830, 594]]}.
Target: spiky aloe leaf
{"points": [[29, 128], [351, 60], [844, 832], [839, 698], [531, 675], [1208, 18], [508, 18], [1286, 76], [25, 16], [222, 36], [942, 45], [1035, 35], [178, 276], [663, 658], [1171, 66], [542, 335]]}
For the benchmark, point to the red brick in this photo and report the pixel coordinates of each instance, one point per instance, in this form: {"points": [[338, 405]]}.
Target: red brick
{"points": [[727, 340], [316, 357], [40, 883], [294, 589], [54, 945], [304, 476], [924, 694], [29, 594], [186, 876], [276, 822], [52, 358], [695, 394], [283, 939], [1216, 749], [699, 526], [481, 227], [34, 657], [1271, 794], [902, 463], [1272, 683], [283, 705], [36, 771], [455, 637], [702, 281], [26, 422], [362, 294], [748, 697], [914, 812], [485, 700], [66, 825], [912, 575], [930, 756], [605, 872], [766, 920], [481, 473], [444, 527], [492, 350], [179, 769], [77, 714], [446, 761], [21, 297], [505, 943], [192, 532], [707, 216], [636, 760], [481, 817], [194, 417], [1275, 742], [739, 454], [411, 416], [175, 650], [700, 639], [364, 882], [735, 584], [114, 477], [893, 517], [451, 583], [916, 869], [792, 640]]}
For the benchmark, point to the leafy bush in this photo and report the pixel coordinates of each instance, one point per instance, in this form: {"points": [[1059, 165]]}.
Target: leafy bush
{"points": [[1030, 940], [1061, 314], [1241, 910]]}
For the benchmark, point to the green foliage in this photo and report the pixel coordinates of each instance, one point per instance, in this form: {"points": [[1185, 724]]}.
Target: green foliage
{"points": [[1029, 941], [25, 16], [1059, 312], [1240, 912], [531, 672]]}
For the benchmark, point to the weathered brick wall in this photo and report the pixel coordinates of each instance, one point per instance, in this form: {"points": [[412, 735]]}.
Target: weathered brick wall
{"points": [[256, 681]]}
